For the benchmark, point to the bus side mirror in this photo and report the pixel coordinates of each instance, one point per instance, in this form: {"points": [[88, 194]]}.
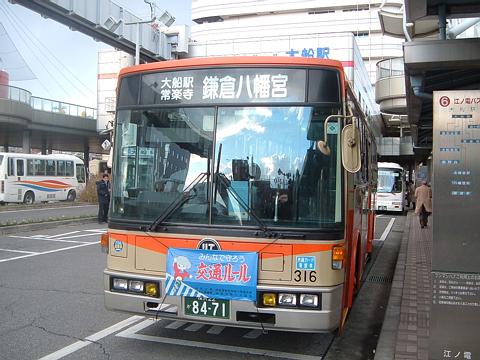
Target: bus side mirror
{"points": [[351, 157]]}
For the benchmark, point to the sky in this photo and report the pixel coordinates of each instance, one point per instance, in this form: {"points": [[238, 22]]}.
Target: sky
{"points": [[65, 62]]}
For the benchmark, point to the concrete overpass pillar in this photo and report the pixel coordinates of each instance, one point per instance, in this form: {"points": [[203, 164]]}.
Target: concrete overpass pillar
{"points": [[86, 157], [44, 146], [26, 144]]}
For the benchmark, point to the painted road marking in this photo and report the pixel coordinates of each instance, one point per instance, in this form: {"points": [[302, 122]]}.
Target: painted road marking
{"points": [[131, 333], [77, 236], [253, 334], [387, 230], [175, 325], [215, 330], [34, 237], [194, 327], [63, 207], [91, 339], [60, 235], [49, 252], [19, 251]]}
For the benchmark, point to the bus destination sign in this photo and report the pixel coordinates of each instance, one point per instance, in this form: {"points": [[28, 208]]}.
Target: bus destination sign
{"points": [[233, 85]]}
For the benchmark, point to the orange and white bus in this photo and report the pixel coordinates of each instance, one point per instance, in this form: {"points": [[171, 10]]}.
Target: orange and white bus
{"points": [[265, 155]]}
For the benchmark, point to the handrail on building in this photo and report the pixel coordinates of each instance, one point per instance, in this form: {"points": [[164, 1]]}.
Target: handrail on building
{"points": [[390, 67], [21, 95]]}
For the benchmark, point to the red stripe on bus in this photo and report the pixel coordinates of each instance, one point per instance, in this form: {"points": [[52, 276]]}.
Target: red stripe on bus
{"points": [[162, 244]]}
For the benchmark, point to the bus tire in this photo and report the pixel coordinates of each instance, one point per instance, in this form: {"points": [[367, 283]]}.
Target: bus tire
{"points": [[29, 198], [72, 195]]}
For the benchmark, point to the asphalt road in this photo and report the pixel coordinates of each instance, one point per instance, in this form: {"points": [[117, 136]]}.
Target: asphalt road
{"points": [[19, 214], [51, 306]]}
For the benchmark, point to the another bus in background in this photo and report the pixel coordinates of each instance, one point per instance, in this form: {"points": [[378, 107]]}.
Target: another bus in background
{"points": [[29, 178], [391, 187]]}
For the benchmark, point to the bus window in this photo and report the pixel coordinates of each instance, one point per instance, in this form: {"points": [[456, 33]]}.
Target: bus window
{"points": [[50, 168], [30, 167], [20, 168], [10, 171], [69, 168], [80, 173], [39, 167], [61, 168]]}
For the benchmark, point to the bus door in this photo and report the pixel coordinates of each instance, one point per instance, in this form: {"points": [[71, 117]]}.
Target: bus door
{"points": [[81, 176], [20, 173]]}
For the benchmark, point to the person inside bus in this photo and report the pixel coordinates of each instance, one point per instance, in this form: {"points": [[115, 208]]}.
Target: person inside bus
{"points": [[423, 196], [103, 193]]}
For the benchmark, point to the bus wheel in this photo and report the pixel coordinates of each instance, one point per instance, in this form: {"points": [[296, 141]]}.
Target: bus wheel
{"points": [[29, 198], [71, 195]]}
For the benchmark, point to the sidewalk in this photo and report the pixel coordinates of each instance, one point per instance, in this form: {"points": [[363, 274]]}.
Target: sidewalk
{"points": [[405, 331]]}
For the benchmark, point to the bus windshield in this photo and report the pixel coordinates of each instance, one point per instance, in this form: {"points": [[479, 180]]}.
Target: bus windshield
{"points": [[228, 166], [389, 181]]}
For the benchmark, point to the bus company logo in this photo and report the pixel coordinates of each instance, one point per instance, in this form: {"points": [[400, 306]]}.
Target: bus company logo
{"points": [[444, 101], [118, 245], [208, 244]]}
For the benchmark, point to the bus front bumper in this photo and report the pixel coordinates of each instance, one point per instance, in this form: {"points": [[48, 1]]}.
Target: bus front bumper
{"points": [[388, 206], [242, 313]]}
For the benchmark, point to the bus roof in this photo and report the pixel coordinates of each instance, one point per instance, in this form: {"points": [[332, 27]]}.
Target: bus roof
{"points": [[229, 61], [389, 165], [40, 156]]}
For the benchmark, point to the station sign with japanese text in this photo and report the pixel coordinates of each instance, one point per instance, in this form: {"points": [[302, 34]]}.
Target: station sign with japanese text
{"points": [[455, 306], [228, 275]]}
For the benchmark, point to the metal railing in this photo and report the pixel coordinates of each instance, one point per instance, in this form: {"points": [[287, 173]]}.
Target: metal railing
{"points": [[390, 67], [21, 95], [14, 93], [59, 107]]}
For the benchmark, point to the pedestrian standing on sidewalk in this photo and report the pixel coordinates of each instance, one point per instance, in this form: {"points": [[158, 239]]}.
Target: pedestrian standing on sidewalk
{"points": [[410, 194], [103, 193], [423, 196]]}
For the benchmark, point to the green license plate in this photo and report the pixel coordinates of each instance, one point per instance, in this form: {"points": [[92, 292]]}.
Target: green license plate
{"points": [[207, 307]]}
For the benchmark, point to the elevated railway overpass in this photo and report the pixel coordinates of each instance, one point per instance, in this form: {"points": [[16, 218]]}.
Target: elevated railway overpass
{"points": [[30, 122]]}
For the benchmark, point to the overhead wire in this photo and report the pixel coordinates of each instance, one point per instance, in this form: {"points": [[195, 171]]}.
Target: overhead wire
{"points": [[46, 53], [51, 54], [23, 37]]}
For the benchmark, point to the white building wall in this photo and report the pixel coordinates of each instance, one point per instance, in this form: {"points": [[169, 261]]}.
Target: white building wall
{"points": [[236, 23], [109, 64]]}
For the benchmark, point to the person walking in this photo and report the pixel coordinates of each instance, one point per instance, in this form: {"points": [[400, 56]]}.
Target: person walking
{"points": [[423, 196], [410, 194], [103, 193]]}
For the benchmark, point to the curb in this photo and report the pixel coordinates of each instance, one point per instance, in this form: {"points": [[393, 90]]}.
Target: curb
{"points": [[35, 206], [388, 335], [12, 229]]}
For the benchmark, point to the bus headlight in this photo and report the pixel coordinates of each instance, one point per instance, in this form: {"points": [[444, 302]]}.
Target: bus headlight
{"points": [[120, 284], [135, 286], [309, 300], [287, 299]]}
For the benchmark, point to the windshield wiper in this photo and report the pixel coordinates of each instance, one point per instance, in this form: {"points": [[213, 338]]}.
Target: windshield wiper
{"points": [[178, 203], [242, 203]]}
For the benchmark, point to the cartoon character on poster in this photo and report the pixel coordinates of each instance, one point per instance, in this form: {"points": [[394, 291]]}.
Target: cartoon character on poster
{"points": [[180, 266]]}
